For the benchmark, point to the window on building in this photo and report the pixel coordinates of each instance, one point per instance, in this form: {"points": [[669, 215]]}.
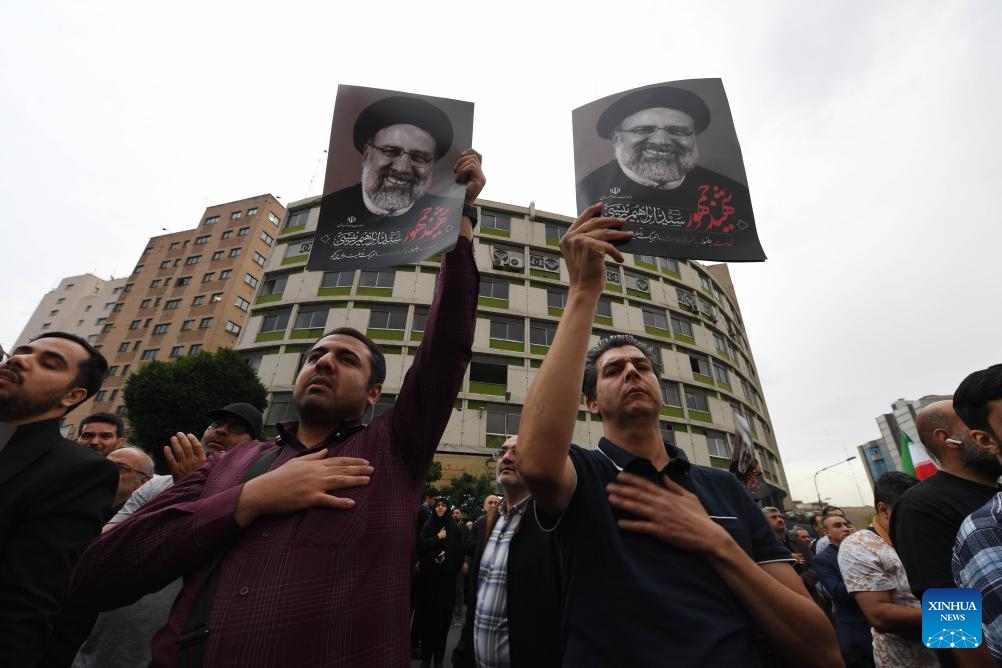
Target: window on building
{"points": [[161, 328], [276, 321], [484, 369], [150, 354], [495, 220], [218, 255], [493, 287], [296, 249], [276, 285], [377, 279], [123, 347], [273, 218], [708, 309], [681, 325], [250, 280], [144, 304], [638, 283], [209, 276], [184, 280], [101, 395], [187, 325], [212, 220], [297, 218], [502, 420], [236, 215], [699, 363], [165, 264], [205, 323], [216, 297], [176, 351], [226, 234], [720, 372], [705, 283], [686, 299], [225, 273], [670, 394], [719, 341], [198, 300], [541, 333], [697, 399], [387, 317], [281, 408], [649, 259], [313, 317], [267, 238], [204, 239], [331, 279], [420, 319], [556, 297], [46, 325], [194, 259], [117, 307], [655, 318], [172, 304], [232, 327], [259, 259], [604, 307], [508, 329], [175, 245], [135, 324], [155, 283], [243, 231], [555, 232], [234, 252], [242, 304], [252, 211], [716, 443], [195, 349]]}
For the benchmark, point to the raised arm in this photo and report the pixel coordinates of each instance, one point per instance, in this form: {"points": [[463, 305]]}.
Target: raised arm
{"points": [[550, 411]]}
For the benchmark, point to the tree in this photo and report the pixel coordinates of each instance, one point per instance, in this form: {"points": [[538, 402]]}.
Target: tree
{"points": [[434, 474], [164, 398], [468, 493]]}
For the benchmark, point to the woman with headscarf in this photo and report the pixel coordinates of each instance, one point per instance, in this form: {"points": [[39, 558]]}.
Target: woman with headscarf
{"points": [[441, 549]]}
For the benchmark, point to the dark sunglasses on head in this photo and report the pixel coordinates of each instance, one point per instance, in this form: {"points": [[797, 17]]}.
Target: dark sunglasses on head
{"points": [[232, 425]]}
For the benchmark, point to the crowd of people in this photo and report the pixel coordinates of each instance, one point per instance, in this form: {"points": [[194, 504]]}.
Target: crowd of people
{"points": [[304, 550]]}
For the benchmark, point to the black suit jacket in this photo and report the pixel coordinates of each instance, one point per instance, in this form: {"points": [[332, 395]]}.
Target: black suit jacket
{"points": [[851, 625], [54, 495]]}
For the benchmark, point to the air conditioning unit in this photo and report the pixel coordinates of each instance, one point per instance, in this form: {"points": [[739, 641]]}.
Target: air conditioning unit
{"points": [[500, 259], [551, 264], [643, 285], [515, 262]]}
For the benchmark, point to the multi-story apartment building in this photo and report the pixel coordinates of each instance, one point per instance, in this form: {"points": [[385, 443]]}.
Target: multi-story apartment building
{"points": [[79, 304], [688, 312], [884, 454], [190, 291]]}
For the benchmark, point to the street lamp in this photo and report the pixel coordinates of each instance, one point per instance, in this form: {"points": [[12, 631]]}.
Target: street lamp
{"points": [[847, 459]]}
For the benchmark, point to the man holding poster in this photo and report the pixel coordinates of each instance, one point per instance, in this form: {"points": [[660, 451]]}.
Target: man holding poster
{"points": [[675, 204], [397, 210]]}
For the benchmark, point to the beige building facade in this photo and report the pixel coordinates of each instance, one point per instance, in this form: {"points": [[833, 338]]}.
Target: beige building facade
{"points": [[190, 292], [686, 311], [79, 304]]}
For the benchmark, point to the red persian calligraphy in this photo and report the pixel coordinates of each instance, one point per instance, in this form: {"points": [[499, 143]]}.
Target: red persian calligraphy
{"points": [[430, 225], [713, 210]]}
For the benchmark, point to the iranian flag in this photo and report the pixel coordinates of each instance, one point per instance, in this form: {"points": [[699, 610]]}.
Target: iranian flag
{"points": [[914, 459]]}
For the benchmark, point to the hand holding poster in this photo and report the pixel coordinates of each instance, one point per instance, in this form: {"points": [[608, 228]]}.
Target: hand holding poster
{"points": [[390, 196], [675, 172]]}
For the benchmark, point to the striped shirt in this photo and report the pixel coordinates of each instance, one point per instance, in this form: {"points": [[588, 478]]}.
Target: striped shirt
{"points": [[490, 623], [977, 563]]}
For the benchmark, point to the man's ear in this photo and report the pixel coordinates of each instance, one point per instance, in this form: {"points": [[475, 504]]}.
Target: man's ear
{"points": [[77, 394], [374, 393], [985, 441], [592, 406]]}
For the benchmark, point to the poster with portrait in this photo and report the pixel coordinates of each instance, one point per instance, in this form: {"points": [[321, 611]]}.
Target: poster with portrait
{"points": [[666, 158], [390, 196]]}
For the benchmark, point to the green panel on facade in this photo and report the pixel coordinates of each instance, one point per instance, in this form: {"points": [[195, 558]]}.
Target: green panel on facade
{"points": [[675, 426], [535, 364], [638, 293], [553, 242], [270, 336], [497, 389], [673, 274], [391, 334], [554, 311], [417, 336], [657, 331], [537, 349], [699, 430], [702, 416], [291, 230], [492, 302], [265, 299], [673, 411], [296, 348], [612, 287], [502, 344], [602, 320], [327, 292], [644, 265], [475, 405], [376, 292], [494, 232], [313, 333], [582, 416], [495, 440], [540, 273], [685, 339], [295, 259], [703, 379], [724, 385]]}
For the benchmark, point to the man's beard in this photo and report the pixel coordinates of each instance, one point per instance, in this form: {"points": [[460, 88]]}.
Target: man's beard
{"points": [[396, 195], [666, 164], [976, 458], [17, 405]]}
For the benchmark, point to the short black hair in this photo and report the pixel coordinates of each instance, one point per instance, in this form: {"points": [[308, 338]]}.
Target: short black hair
{"points": [[377, 361], [106, 418], [970, 400], [93, 370], [888, 487], [608, 343], [828, 516]]}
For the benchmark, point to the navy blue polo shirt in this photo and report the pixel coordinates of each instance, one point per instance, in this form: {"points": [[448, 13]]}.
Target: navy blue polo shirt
{"points": [[634, 600]]}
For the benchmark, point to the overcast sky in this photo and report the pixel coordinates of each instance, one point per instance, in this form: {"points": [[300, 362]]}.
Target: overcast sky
{"points": [[870, 134]]}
